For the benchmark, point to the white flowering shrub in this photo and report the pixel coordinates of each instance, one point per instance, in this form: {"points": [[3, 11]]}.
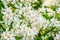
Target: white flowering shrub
{"points": [[29, 19]]}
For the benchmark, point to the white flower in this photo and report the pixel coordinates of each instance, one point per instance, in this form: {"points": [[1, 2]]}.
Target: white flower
{"points": [[25, 13], [55, 22], [32, 1], [49, 3], [58, 36], [58, 11], [22, 0], [8, 36]]}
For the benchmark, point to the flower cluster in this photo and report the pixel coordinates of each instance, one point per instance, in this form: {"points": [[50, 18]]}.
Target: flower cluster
{"points": [[30, 20]]}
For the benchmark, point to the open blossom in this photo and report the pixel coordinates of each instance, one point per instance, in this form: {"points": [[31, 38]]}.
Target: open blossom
{"points": [[57, 37], [30, 19], [8, 36], [49, 3], [58, 10]]}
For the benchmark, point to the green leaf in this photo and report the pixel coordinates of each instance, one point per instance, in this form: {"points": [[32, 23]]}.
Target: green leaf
{"points": [[48, 29], [0, 35], [1, 19], [47, 17], [10, 26], [37, 4], [13, 7], [38, 36], [57, 16], [21, 23], [29, 24], [51, 38], [53, 7], [1, 6], [22, 17], [2, 28], [18, 37]]}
